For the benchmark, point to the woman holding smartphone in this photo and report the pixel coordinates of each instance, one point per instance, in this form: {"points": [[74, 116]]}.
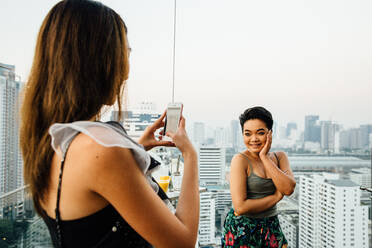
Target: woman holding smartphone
{"points": [[90, 182], [258, 181]]}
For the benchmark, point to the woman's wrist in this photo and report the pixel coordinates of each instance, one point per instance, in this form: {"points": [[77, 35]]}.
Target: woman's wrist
{"points": [[189, 153], [264, 157]]}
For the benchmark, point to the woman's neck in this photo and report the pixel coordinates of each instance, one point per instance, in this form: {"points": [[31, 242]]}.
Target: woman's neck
{"points": [[254, 155]]}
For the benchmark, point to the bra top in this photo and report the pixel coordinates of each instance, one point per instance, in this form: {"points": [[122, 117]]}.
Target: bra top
{"points": [[106, 227], [259, 187]]}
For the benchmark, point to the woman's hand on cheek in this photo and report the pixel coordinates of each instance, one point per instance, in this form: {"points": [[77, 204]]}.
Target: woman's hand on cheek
{"points": [[265, 150]]}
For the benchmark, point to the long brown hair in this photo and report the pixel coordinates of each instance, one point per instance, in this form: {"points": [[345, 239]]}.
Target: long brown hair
{"points": [[80, 65]]}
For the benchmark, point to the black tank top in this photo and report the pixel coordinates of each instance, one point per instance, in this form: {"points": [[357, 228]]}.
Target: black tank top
{"points": [[105, 228]]}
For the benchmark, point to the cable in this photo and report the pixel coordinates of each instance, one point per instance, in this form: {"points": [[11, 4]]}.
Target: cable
{"points": [[174, 47]]}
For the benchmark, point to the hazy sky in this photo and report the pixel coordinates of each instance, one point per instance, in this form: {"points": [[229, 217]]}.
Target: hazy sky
{"points": [[295, 57]]}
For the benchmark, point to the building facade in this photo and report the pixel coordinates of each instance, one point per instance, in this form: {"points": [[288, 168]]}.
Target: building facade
{"points": [[312, 129], [11, 167], [207, 220], [330, 213], [289, 225], [135, 121], [199, 133], [211, 165]]}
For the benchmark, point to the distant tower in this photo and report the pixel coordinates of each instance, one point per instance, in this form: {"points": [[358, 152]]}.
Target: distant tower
{"points": [[312, 130], [236, 135], [11, 170], [199, 133], [328, 132], [290, 126]]}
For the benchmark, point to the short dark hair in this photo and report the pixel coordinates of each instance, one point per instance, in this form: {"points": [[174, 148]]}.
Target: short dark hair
{"points": [[259, 113]]}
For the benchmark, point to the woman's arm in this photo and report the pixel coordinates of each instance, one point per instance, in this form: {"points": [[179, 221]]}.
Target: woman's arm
{"points": [[238, 188], [118, 179], [282, 176]]}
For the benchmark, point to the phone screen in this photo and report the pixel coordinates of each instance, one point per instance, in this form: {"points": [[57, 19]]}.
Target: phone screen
{"points": [[173, 118]]}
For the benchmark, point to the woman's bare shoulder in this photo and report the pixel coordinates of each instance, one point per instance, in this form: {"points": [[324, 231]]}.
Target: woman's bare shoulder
{"points": [[239, 161], [91, 155], [279, 154]]}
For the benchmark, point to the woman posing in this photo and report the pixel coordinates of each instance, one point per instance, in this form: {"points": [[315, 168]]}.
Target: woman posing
{"points": [[89, 180], [258, 181]]}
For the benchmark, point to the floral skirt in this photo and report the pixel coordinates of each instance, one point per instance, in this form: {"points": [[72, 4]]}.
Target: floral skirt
{"points": [[246, 232]]}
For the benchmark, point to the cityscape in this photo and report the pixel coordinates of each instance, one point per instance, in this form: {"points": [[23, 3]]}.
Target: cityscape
{"points": [[331, 165]]}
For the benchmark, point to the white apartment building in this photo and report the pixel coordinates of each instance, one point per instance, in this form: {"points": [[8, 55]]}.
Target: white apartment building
{"points": [[330, 213], [289, 225], [361, 176], [223, 200], [207, 219], [136, 120], [222, 137], [211, 165], [11, 170]]}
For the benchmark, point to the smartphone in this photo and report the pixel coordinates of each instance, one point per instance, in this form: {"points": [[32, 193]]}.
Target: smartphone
{"points": [[172, 120]]}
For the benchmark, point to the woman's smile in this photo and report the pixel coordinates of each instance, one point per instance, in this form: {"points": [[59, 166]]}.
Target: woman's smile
{"points": [[255, 146]]}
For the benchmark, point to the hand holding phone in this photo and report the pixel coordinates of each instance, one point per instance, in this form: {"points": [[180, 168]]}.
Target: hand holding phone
{"points": [[174, 113]]}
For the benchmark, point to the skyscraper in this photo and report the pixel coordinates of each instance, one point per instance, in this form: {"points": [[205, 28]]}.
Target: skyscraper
{"points": [[330, 213], [365, 130], [221, 137], [211, 165], [327, 138], [11, 171], [199, 133], [236, 135], [135, 121], [290, 126], [312, 129], [207, 219]]}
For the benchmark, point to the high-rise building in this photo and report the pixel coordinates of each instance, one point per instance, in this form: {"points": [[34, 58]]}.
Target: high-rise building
{"points": [[211, 165], [223, 200], [365, 130], [236, 135], [328, 133], [312, 129], [207, 219], [135, 121], [355, 138], [282, 132], [11, 170], [351, 139], [290, 126], [199, 133], [361, 176], [330, 213], [345, 140], [289, 225], [221, 137]]}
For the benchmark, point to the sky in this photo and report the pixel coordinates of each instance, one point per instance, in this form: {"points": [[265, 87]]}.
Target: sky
{"points": [[294, 57]]}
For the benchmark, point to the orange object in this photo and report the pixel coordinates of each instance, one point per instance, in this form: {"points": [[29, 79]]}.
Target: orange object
{"points": [[164, 182]]}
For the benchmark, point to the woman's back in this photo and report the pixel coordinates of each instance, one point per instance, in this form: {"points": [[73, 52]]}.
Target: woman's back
{"points": [[87, 219], [80, 66]]}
